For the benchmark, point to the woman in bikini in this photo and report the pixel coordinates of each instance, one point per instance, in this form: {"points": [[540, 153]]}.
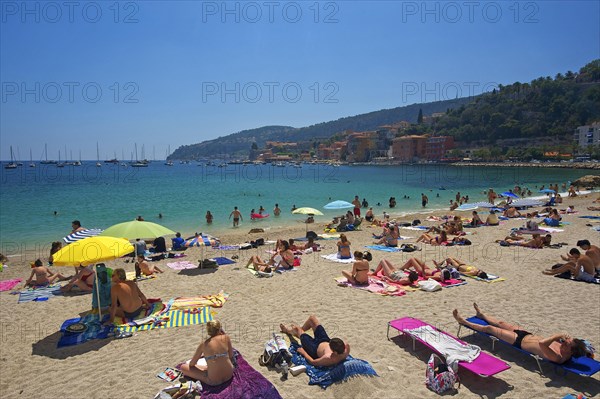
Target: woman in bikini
{"points": [[397, 276], [557, 348], [344, 248], [283, 257], [84, 279], [218, 353], [463, 268], [43, 275], [437, 240], [360, 269]]}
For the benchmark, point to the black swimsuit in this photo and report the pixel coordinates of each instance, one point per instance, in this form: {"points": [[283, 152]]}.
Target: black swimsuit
{"points": [[520, 335]]}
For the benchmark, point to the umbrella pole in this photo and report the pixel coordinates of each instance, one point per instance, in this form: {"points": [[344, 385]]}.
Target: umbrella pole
{"points": [[98, 294]]}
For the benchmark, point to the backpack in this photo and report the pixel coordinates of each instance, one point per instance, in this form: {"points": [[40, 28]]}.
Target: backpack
{"points": [[408, 247], [438, 376], [276, 354]]}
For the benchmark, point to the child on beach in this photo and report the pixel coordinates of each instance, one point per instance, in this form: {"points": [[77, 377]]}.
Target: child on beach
{"points": [[43, 275]]}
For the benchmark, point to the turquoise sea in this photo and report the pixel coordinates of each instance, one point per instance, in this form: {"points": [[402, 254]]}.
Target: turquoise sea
{"points": [[102, 196]]}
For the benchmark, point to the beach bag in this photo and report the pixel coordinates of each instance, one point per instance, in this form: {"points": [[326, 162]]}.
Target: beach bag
{"points": [[276, 353], [438, 376], [408, 247], [416, 222], [429, 285]]}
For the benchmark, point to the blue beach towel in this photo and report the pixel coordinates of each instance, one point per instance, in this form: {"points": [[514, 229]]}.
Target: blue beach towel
{"points": [[95, 330], [589, 217], [44, 293], [221, 260], [325, 376], [383, 248]]}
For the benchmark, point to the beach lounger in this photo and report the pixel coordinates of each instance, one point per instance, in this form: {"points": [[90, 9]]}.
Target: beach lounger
{"points": [[583, 366], [484, 365]]}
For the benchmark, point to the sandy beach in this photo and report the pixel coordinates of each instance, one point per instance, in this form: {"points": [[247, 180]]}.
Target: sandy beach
{"points": [[32, 367]]}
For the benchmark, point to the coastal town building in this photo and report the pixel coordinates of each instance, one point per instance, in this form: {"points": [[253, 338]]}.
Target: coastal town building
{"points": [[588, 135]]}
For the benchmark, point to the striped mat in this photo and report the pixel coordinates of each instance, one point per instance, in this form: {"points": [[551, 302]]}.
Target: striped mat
{"points": [[171, 318], [80, 235]]}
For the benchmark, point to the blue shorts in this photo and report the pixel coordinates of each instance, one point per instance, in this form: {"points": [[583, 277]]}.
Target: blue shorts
{"points": [[311, 344]]}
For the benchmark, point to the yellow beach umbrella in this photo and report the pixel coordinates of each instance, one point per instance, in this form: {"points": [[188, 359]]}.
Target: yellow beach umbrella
{"points": [[90, 251]]}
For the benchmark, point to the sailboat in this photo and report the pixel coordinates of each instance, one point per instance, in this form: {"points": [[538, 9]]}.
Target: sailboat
{"points": [[31, 163], [98, 164], [78, 163], [45, 161], [12, 164], [138, 164], [168, 162], [60, 164]]}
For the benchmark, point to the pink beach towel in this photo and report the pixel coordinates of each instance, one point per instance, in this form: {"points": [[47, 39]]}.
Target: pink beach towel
{"points": [[446, 284], [375, 286], [182, 265], [6, 285]]}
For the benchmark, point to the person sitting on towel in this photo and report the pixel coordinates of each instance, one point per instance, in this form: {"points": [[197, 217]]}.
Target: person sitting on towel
{"points": [[178, 242], [218, 353], [320, 351], [84, 279], [557, 348], [127, 300], [43, 275], [360, 269], [590, 250], [580, 266], [143, 267]]}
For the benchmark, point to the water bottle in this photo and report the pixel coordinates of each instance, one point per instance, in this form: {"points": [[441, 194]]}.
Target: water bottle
{"points": [[284, 369]]}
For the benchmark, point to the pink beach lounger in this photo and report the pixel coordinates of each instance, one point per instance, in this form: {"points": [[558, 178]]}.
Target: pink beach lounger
{"points": [[484, 365]]}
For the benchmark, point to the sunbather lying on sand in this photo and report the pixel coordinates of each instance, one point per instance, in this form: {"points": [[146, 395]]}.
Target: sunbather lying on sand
{"points": [[536, 242], [320, 351], [558, 348], [463, 268], [437, 240], [43, 275], [397, 276], [512, 212]]}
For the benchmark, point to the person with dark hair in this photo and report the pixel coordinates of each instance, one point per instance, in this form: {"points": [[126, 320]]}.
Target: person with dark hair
{"points": [[159, 245], [76, 225], [83, 279], [394, 275], [463, 268], [143, 267], [557, 348], [237, 216], [581, 267], [177, 242], [360, 269], [320, 351], [590, 250], [56, 246], [43, 275], [475, 220]]}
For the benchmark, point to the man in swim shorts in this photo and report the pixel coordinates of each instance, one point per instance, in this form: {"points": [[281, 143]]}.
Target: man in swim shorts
{"points": [[237, 215], [581, 267], [321, 350], [126, 298], [357, 204]]}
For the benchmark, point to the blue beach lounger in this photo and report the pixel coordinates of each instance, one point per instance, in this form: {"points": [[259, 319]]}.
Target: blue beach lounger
{"points": [[583, 366]]}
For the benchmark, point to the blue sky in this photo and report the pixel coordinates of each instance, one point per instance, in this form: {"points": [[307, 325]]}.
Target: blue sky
{"points": [[175, 73]]}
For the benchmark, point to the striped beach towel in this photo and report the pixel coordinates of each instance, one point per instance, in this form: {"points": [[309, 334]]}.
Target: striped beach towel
{"points": [[80, 235], [169, 319], [45, 293]]}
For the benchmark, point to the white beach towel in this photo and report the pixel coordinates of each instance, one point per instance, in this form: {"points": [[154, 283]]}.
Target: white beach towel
{"points": [[448, 346], [334, 258]]}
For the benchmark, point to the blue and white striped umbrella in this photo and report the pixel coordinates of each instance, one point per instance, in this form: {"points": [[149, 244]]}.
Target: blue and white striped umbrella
{"points": [[80, 235], [526, 202], [474, 205]]}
